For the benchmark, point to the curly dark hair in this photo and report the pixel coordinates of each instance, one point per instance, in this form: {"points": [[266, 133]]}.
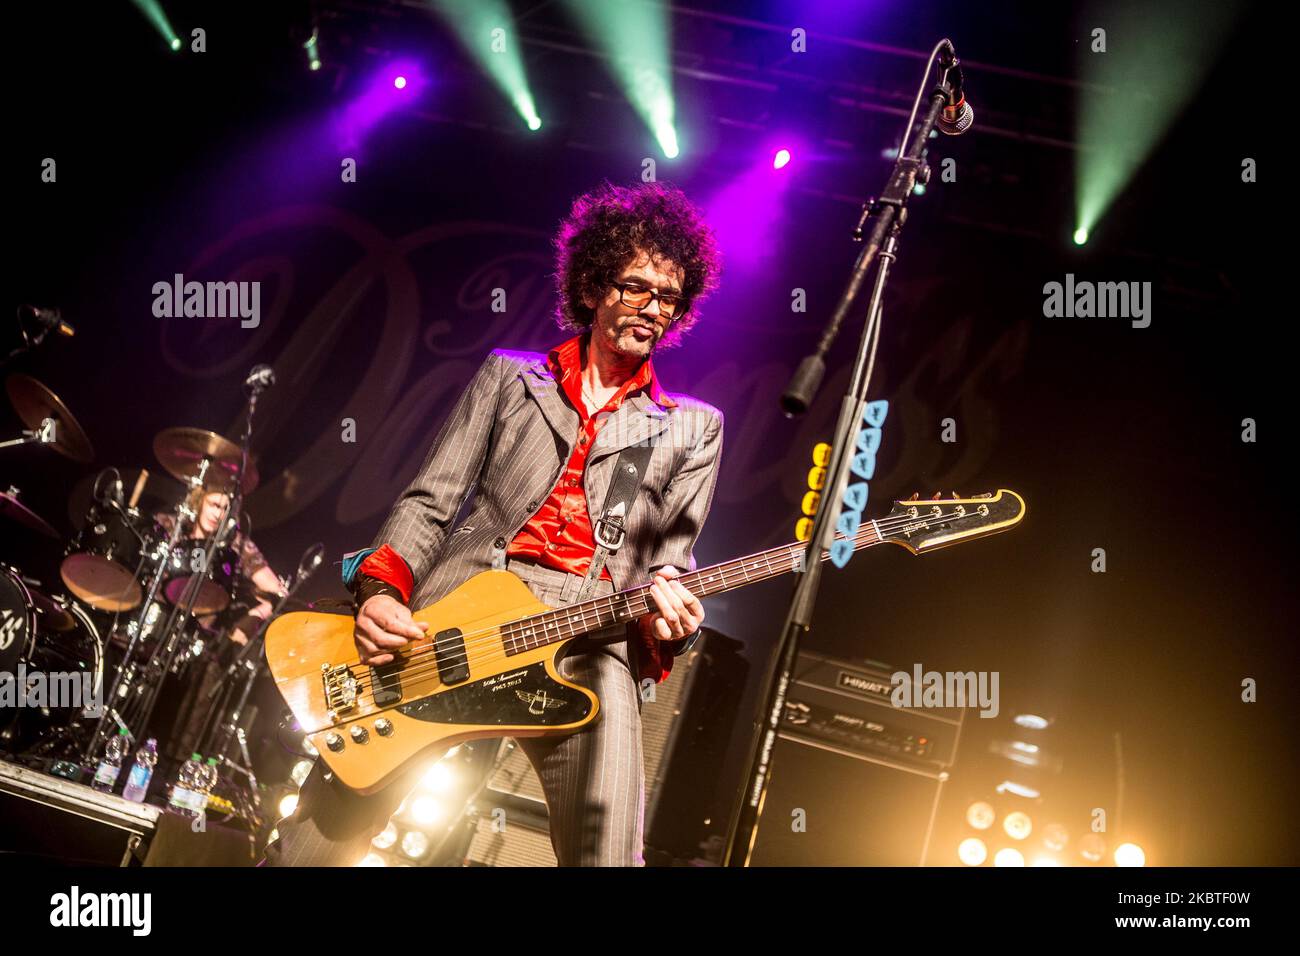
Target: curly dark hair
{"points": [[609, 226]]}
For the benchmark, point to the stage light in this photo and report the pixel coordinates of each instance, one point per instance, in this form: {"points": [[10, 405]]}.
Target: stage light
{"points": [[972, 851], [980, 815], [425, 810], [415, 844], [386, 838], [1045, 860], [1130, 854], [1008, 856], [485, 28], [1092, 848], [1019, 789], [1017, 825], [642, 66], [372, 859], [781, 159], [153, 12], [288, 804], [301, 770], [439, 778], [1133, 92], [918, 189], [399, 82], [1055, 837], [1080, 236], [312, 50], [1031, 721]]}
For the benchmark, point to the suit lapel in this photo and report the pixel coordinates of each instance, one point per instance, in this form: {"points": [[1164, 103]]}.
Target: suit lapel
{"points": [[546, 390]]}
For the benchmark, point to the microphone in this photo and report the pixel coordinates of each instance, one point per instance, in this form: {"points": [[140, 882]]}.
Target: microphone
{"points": [[262, 376], [48, 320], [957, 116]]}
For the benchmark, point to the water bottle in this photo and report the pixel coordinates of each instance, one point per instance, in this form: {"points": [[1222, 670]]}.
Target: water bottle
{"points": [[111, 765], [208, 779], [184, 799], [137, 781]]}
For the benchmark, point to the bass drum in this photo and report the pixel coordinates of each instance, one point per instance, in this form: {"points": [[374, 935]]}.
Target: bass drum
{"points": [[58, 647]]}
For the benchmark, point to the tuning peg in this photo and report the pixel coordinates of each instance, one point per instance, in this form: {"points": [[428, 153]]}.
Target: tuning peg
{"points": [[987, 494], [916, 496], [936, 496], [953, 494]]}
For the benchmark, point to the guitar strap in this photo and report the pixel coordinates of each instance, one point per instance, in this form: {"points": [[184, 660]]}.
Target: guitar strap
{"points": [[609, 528]]}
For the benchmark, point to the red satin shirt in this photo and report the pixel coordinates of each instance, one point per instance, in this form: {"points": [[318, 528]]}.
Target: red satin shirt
{"points": [[560, 535]]}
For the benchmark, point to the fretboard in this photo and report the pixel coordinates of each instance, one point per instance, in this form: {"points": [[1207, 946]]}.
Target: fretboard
{"points": [[564, 623]]}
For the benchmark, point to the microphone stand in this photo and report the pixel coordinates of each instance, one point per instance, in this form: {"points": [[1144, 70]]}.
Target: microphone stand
{"points": [[888, 214]]}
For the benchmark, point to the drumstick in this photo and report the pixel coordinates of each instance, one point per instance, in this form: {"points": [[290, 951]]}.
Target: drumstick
{"points": [[138, 490]]}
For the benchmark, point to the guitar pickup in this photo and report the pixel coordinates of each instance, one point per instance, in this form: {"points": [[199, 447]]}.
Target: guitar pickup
{"points": [[453, 660]]}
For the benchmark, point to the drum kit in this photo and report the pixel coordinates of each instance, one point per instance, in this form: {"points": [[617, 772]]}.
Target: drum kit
{"points": [[145, 588]]}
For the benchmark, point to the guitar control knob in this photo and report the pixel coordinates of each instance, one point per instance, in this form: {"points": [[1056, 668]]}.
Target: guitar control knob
{"points": [[384, 727], [359, 733], [334, 742]]}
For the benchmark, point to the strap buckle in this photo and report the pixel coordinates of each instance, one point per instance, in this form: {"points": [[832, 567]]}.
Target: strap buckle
{"points": [[604, 538]]}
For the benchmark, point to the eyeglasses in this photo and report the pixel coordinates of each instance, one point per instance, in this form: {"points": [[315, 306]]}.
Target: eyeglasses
{"points": [[672, 306]]}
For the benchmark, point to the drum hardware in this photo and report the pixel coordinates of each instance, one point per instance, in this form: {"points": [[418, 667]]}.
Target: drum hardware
{"points": [[47, 419], [229, 696]]}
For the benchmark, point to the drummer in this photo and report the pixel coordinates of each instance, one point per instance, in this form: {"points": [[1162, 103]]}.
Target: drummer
{"points": [[210, 508]]}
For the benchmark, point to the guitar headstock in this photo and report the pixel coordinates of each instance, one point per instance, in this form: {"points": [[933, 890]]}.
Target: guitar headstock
{"points": [[927, 525]]}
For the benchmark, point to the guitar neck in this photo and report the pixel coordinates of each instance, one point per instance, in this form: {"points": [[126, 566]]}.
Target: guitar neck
{"points": [[564, 623]]}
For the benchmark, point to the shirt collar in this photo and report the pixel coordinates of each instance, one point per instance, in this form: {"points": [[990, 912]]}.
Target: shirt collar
{"points": [[566, 359]]}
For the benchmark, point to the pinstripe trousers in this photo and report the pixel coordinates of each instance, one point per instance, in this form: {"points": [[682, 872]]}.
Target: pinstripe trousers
{"points": [[594, 780]]}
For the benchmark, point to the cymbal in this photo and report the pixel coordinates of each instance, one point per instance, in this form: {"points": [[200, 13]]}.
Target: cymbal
{"points": [[180, 450], [34, 403], [15, 510]]}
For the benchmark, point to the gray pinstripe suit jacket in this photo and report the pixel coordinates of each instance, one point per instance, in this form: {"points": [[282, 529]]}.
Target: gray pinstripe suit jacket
{"points": [[509, 438]]}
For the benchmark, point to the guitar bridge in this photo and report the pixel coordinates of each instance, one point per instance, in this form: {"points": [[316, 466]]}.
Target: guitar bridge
{"points": [[340, 689]]}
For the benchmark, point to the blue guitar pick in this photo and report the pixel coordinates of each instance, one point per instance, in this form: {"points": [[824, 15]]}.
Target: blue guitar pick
{"points": [[863, 465], [855, 496], [869, 439], [848, 522], [875, 412], [841, 551]]}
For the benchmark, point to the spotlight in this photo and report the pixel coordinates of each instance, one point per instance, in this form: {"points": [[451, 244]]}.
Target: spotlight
{"points": [[415, 844], [399, 82], [371, 859], [1092, 848], [176, 43], [534, 122], [1008, 856], [301, 770], [387, 838], [1055, 837], [439, 778], [1130, 854], [781, 159], [1019, 789], [312, 50], [972, 851], [1045, 860], [425, 810], [980, 815], [1018, 825], [1080, 236], [1031, 721], [288, 804]]}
